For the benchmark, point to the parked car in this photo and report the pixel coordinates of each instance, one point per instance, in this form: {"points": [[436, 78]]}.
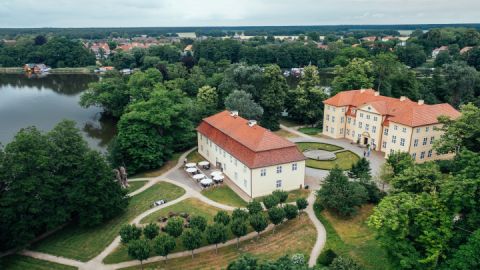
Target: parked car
{"points": [[158, 203]]}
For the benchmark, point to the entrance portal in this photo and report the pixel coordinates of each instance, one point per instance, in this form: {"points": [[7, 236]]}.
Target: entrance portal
{"points": [[365, 141]]}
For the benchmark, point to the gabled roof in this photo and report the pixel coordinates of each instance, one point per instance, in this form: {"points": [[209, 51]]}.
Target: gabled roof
{"points": [[403, 111], [254, 146]]}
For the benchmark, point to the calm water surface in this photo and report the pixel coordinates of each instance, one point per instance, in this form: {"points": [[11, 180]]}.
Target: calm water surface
{"points": [[43, 102]]}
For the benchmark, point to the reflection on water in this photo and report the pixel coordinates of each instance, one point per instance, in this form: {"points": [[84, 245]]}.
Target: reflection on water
{"points": [[45, 101]]}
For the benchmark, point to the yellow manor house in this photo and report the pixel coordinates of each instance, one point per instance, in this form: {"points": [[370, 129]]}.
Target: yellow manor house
{"points": [[384, 123]]}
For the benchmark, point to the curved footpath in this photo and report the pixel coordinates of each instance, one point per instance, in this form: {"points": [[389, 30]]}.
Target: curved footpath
{"points": [[97, 262]]}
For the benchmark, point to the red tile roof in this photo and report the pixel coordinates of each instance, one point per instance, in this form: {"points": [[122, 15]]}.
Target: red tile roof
{"points": [[400, 111], [254, 146]]}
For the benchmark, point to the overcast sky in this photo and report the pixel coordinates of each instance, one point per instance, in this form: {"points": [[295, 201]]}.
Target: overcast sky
{"points": [[124, 13]]}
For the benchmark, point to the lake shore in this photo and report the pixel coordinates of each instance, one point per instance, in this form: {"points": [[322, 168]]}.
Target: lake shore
{"points": [[76, 70]]}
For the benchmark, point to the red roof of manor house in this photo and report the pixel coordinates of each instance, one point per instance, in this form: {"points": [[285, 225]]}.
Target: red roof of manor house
{"points": [[254, 145], [403, 111]]}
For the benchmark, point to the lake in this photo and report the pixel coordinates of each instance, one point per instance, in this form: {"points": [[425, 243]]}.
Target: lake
{"points": [[45, 101]]}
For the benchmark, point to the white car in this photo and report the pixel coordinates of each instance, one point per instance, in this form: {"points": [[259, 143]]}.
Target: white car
{"points": [[159, 202]]}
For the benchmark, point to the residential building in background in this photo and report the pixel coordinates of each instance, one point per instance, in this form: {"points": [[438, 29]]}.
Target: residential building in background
{"points": [[256, 160], [386, 124]]}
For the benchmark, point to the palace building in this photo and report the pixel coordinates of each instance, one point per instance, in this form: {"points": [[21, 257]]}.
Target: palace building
{"points": [[256, 160], [386, 124]]}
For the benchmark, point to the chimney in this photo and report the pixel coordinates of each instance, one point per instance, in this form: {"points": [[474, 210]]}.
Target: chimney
{"points": [[403, 98], [252, 123], [421, 102], [234, 113], [362, 90], [377, 93]]}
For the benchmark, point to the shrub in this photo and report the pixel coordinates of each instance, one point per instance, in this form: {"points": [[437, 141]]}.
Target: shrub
{"points": [[281, 195], [270, 201], [301, 203], [151, 230], [344, 263], [254, 207], [174, 226], [291, 211], [239, 214], [326, 257], [198, 222], [222, 217], [130, 232]]}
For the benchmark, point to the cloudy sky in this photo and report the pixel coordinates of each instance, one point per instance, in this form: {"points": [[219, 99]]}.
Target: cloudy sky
{"points": [[124, 13]]}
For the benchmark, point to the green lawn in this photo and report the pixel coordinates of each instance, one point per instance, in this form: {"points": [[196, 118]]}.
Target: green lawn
{"points": [[194, 156], [296, 194], [317, 146], [85, 243], [354, 238], [293, 236], [157, 172], [225, 195], [191, 206], [310, 130], [135, 185], [344, 160], [19, 262]]}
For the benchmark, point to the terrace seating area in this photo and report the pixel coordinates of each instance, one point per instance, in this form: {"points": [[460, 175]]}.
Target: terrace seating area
{"points": [[203, 174]]}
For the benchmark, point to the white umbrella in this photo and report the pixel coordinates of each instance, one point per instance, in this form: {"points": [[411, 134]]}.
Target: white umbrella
{"points": [[203, 163], [218, 177], [199, 176], [216, 173], [206, 181], [190, 165], [191, 170]]}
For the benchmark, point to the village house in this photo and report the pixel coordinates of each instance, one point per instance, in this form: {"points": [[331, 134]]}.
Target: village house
{"points": [[465, 49], [188, 49], [386, 124], [36, 68], [256, 160], [369, 39], [101, 50], [437, 51]]}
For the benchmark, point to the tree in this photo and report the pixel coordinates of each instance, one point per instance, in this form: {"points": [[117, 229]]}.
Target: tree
{"points": [[129, 232], [467, 256], [400, 161], [419, 178], [411, 55], [473, 58], [258, 223], [222, 217], [141, 84], [442, 59], [246, 261], [139, 250], [360, 169], [151, 231], [301, 203], [414, 237], [207, 97], [272, 98], [384, 64], [344, 263], [242, 102], [152, 130], [174, 226], [216, 233], [291, 211], [238, 228], [270, 201], [239, 214], [358, 74], [386, 174], [163, 244], [461, 133], [198, 222], [340, 195], [276, 216], [462, 81], [40, 40], [281, 195], [254, 207], [191, 239]]}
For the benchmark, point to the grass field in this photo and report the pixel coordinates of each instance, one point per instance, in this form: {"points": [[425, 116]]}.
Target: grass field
{"points": [[225, 195], [194, 156], [284, 133], [19, 262], [135, 185], [353, 237], [191, 206], [294, 236], [345, 160], [310, 130], [157, 172], [85, 243], [318, 146]]}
